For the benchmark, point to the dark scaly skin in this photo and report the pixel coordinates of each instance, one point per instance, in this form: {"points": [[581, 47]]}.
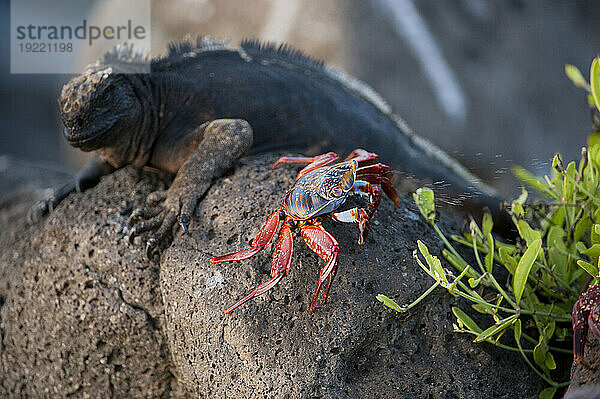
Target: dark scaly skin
{"points": [[586, 314], [292, 103]]}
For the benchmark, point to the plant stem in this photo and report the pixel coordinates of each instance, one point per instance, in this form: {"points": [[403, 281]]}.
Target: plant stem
{"points": [[447, 244], [508, 310], [477, 254], [539, 373], [420, 298], [496, 343], [583, 189], [554, 348]]}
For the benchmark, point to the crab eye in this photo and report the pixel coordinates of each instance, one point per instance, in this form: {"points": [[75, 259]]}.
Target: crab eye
{"points": [[336, 191]]}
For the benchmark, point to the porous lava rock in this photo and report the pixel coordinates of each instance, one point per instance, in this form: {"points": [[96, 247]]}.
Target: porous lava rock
{"points": [[85, 313]]}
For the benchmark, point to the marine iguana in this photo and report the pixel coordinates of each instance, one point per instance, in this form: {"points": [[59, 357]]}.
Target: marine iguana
{"points": [[172, 119]]}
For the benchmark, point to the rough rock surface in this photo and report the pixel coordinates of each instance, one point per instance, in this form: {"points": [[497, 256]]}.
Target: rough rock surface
{"points": [[82, 310], [352, 346], [586, 374]]}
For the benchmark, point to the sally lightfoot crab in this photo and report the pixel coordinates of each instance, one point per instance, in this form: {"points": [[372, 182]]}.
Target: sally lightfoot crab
{"points": [[586, 313], [320, 189]]}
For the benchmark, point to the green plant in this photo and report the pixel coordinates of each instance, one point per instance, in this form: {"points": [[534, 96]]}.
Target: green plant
{"points": [[557, 254]]}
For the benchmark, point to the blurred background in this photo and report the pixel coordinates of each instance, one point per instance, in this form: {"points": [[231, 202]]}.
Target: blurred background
{"points": [[483, 79]]}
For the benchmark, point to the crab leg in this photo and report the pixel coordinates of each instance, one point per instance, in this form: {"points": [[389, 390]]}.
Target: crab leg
{"points": [[377, 169], [282, 259], [262, 239], [361, 156], [313, 163], [324, 245], [385, 183]]}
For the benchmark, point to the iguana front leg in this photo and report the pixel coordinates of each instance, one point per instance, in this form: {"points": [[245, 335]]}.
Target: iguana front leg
{"points": [[87, 177], [223, 142]]}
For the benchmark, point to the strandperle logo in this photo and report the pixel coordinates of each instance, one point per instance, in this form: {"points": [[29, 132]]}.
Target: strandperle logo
{"points": [[66, 36], [82, 32]]}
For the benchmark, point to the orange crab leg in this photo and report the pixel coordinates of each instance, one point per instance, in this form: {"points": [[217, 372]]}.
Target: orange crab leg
{"points": [[377, 169], [362, 156], [324, 245], [313, 163], [282, 259], [262, 239]]}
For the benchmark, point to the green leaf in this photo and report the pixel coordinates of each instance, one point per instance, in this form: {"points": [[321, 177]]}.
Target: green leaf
{"points": [[481, 308], [489, 258], [557, 163], [557, 250], [539, 352], [588, 267], [576, 77], [556, 237], [390, 303], [595, 234], [435, 266], [562, 333], [550, 363], [507, 260], [547, 393], [581, 227], [517, 209], [549, 330], [597, 212], [559, 216], [527, 233], [425, 201], [495, 329], [593, 139], [522, 197], [568, 183], [465, 320], [487, 224], [452, 287], [529, 179], [595, 81], [458, 263], [524, 267], [593, 251]]}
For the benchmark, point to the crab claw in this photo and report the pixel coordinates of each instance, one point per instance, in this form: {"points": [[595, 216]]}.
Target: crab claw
{"points": [[262, 239]]}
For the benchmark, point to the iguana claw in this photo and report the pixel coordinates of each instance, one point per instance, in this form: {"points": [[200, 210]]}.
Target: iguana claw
{"points": [[184, 222], [150, 246]]}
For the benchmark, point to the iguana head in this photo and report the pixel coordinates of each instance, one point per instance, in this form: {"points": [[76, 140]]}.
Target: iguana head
{"points": [[98, 108]]}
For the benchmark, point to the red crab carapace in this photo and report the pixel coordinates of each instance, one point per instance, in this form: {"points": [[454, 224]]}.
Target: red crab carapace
{"points": [[320, 189], [586, 314]]}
